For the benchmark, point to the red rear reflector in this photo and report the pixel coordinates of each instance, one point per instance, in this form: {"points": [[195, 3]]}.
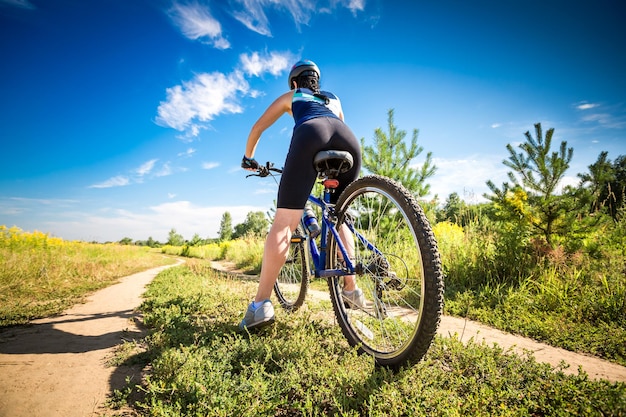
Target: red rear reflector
{"points": [[331, 183]]}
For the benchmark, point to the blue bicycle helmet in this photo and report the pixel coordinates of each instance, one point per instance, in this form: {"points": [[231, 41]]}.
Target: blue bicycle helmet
{"points": [[300, 67]]}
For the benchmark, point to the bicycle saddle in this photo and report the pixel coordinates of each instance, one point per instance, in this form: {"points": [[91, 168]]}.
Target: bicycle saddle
{"points": [[332, 163]]}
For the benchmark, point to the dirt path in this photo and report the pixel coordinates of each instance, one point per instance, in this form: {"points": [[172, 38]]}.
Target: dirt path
{"points": [[466, 330], [57, 366]]}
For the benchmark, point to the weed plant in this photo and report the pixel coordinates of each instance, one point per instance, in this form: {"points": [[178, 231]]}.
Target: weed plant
{"points": [[41, 275], [245, 253], [571, 298], [201, 365]]}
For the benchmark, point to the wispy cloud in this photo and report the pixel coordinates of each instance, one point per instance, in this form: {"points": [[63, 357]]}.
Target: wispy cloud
{"points": [[252, 16], [146, 167], [117, 181], [612, 117], [23, 4], [252, 13], [165, 170], [586, 106], [261, 191], [196, 22], [210, 165], [188, 153], [136, 175], [15, 206]]}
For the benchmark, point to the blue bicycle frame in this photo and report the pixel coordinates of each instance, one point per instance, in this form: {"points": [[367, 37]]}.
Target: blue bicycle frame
{"points": [[319, 254]]}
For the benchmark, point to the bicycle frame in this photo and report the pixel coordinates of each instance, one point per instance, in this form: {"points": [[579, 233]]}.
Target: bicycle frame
{"points": [[328, 226]]}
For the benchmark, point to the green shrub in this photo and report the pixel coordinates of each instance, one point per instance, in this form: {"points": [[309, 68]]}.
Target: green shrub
{"points": [[202, 365]]}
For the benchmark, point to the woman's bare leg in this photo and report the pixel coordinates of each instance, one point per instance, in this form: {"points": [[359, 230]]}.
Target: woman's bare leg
{"points": [[276, 249], [349, 281]]}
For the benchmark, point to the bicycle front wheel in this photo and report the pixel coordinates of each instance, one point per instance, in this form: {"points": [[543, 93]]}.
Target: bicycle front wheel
{"points": [[397, 266], [293, 279]]}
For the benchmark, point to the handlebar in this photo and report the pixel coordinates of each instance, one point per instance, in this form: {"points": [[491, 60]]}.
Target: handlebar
{"points": [[265, 170]]}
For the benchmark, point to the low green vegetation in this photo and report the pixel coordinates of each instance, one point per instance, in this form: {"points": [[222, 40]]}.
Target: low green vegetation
{"points": [[246, 253], [576, 301], [42, 275], [201, 365]]}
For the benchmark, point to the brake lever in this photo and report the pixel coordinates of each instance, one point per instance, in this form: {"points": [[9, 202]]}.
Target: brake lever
{"points": [[263, 170]]}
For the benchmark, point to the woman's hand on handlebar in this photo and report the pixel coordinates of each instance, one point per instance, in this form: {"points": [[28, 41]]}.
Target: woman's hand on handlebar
{"points": [[249, 163]]}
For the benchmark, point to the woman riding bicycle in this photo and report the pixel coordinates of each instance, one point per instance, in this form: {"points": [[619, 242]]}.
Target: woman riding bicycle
{"points": [[318, 126]]}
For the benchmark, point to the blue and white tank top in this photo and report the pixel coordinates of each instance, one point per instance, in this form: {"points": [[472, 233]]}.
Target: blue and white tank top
{"points": [[306, 106]]}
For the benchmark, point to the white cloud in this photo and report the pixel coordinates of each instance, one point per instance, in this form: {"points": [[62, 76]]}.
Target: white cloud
{"points": [[274, 63], [210, 165], [586, 106], [196, 22], [136, 175], [467, 177], [261, 191], [253, 16], [190, 106], [155, 221], [113, 224], [188, 153], [602, 118], [200, 100], [356, 5], [610, 116], [117, 181], [146, 167], [165, 170]]}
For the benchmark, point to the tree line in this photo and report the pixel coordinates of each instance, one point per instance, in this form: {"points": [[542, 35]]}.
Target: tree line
{"points": [[532, 198]]}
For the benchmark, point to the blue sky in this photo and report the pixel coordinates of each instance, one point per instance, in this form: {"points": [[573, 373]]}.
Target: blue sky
{"points": [[127, 118]]}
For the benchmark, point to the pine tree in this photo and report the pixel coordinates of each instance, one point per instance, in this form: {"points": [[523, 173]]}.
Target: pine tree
{"points": [[391, 157], [532, 195], [226, 227]]}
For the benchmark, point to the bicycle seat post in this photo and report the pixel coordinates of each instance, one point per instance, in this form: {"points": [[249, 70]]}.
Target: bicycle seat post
{"points": [[329, 164]]}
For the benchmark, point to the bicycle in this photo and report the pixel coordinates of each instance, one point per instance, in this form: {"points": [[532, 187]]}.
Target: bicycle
{"points": [[392, 252]]}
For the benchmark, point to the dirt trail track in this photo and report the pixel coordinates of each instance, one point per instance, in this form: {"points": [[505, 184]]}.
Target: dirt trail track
{"points": [[57, 366], [466, 330]]}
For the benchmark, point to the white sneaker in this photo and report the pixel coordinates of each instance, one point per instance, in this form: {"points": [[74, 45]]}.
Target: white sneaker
{"points": [[259, 317], [353, 299]]}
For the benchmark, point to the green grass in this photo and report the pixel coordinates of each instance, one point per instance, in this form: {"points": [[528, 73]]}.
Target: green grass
{"points": [[573, 299], [200, 365], [42, 275], [246, 253]]}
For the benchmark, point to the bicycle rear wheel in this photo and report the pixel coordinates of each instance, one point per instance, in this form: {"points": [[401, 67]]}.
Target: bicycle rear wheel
{"points": [[293, 279], [398, 268]]}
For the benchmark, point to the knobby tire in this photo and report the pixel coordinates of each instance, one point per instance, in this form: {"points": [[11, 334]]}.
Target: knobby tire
{"points": [[403, 283]]}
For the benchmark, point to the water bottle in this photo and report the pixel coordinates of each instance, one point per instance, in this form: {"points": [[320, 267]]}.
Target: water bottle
{"points": [[311, 222]]}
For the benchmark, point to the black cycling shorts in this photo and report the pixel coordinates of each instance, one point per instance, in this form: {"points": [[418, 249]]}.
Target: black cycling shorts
{"points": [[299, 175]]}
